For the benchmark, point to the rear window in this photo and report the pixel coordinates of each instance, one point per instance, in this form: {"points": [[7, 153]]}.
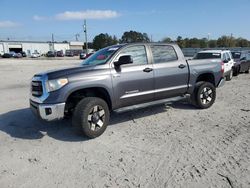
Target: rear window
{"points": [[207, 56], [236, 55], [163, 54]]}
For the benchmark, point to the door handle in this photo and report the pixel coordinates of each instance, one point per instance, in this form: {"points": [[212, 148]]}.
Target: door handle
{"points": [[181, 66], [147, 70]]}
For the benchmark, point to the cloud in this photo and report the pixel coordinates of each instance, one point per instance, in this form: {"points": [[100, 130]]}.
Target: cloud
{"points": [[38, 18], [88, 14], [8, 24]]}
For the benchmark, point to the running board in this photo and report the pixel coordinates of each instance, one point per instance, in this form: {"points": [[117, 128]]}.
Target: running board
{"points": [[154, 103]]}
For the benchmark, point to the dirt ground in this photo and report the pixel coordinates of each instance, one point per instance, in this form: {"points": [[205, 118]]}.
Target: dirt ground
{"points": [[167, 145]]}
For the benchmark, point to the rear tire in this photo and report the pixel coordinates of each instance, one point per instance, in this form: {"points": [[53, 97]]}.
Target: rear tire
{"points": [[204, 95], [229, 76], [236, 71], [91, 116], [247, 71]]}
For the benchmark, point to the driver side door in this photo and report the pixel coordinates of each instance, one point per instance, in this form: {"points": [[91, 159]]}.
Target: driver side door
{"points": [[133, 83]]}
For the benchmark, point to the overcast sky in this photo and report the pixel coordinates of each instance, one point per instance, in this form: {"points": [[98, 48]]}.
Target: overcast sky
{"points": [[38, 19]]}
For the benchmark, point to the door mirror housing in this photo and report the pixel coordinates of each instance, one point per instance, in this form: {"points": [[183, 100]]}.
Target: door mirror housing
{"points": [[125, 59], [225, 61]]}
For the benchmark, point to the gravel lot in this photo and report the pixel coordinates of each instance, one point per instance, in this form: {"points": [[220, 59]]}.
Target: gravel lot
{"points": [[167, 145]]}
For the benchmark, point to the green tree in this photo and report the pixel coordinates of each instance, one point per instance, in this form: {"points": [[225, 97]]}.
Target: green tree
{"points": [[103, 40], [226, 41], [134, 36], [194, 43], [241, 42], [212, 43], [179, 41], [203, 43], [167, 40]]}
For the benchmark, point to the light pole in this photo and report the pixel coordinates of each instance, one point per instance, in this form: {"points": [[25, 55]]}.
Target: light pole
{"points": [[86, 37], [208, 38]]}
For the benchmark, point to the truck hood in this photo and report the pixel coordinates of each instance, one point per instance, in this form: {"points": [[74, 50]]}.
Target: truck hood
{"points": [[61, 73]]}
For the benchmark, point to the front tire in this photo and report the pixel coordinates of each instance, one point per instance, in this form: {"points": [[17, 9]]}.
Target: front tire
{"points": [[204, 95], [91, 116]]}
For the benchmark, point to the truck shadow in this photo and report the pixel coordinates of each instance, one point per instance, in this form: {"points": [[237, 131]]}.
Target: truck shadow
{"points": [[24, 125]]}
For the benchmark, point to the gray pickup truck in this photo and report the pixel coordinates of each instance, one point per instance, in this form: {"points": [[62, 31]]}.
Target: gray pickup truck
{"points": [[120, 76]]}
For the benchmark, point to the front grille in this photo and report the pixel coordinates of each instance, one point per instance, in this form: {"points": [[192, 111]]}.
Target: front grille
{"points": [[36, 88]]}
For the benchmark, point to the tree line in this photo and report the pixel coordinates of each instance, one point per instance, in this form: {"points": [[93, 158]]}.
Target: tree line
{"points": [[102, 40]]}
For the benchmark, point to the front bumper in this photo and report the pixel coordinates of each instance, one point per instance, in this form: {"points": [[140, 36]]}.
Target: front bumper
{"points": [[48, 112]]}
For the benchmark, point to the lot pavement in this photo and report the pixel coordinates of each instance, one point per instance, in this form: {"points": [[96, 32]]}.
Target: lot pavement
{"points": [[167, 145]]}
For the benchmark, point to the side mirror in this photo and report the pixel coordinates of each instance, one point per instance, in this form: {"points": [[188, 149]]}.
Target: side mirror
{"points": [[225, 61], [126, 59]]}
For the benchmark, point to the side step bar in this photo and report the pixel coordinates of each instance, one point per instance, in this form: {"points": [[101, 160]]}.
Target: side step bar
{"points": [[154, 103]]}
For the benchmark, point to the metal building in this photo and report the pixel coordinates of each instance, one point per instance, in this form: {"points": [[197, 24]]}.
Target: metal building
{"points": [[37, 46]]}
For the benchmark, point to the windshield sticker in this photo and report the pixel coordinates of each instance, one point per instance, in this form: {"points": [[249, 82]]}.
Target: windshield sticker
{"points": [[216, 54]]}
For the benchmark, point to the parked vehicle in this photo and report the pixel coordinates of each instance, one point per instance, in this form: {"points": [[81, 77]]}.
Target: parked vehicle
{"points": [[35, 55], [51, 54], [60, 54], [69, 53], [12, 54], [224, 55], [6, 55], [242, 59], [89, 54], [83, 55], [24, 54], [18, 55], [119, 76]]}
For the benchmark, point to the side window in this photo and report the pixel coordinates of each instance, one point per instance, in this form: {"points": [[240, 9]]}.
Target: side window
{"points": [[227, 56], [243, 55], [224, 57], [138, 54], [163, 54], [248, 57]]}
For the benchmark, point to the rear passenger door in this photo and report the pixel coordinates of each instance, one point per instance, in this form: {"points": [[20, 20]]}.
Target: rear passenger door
{"points": [[230, 60], [225, 58], [248, 61], [243, 62], [171, 74]]}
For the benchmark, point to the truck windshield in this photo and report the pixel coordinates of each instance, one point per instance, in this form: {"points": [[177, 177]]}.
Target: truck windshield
{"points": [[102, 56], [207, 56]]}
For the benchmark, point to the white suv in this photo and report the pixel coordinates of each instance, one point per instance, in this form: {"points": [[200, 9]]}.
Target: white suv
{"points": [[224, 55]]}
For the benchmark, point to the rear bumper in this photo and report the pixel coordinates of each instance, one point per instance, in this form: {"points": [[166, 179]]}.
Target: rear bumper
{"points": [[48, 112], [221, 83]]}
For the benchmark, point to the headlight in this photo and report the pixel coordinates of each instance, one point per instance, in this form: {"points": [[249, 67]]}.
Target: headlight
{"points": [[53, 85]]}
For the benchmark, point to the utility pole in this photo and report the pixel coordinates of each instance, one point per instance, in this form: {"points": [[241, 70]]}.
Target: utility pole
{"points": [[86, 36], [231, 40], [76, 35], [53, 47], [208, 38]]}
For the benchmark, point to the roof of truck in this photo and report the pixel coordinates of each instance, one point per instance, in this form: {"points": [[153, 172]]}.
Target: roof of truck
{"points": [[213, 51]]}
